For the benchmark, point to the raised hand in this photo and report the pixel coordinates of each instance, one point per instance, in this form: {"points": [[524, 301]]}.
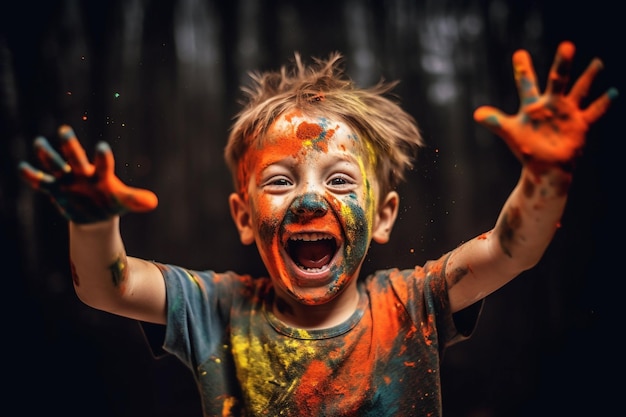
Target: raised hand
{"points": [[550, 128], [83, 192]]}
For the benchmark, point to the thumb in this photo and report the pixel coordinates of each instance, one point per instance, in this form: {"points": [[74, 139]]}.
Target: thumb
{"points": [[139, 199], [133, 199], [490, 117]]}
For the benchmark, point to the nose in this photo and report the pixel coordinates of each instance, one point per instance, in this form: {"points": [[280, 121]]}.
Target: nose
{"points": [[308, 206]]}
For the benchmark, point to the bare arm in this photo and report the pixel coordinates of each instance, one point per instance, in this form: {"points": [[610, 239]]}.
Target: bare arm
{"points": [[107, 279], [547, 135], [92, 198]]}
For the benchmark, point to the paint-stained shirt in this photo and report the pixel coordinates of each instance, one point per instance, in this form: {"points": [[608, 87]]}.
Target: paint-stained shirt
{"points": [[383, 361]]}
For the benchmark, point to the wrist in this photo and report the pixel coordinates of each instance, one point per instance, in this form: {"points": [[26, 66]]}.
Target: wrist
{"points": [[546, 180], [95, 226]]}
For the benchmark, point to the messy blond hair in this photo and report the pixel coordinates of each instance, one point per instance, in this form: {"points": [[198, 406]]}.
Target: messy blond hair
{"points": [[322, 89]]}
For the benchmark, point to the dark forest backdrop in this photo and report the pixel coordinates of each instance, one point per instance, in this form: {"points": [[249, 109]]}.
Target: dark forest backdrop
{"points": [[159, 80]]}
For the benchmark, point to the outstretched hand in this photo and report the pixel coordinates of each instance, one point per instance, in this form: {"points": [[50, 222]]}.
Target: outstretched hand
{"points": [[83, 192], [550, 128]]}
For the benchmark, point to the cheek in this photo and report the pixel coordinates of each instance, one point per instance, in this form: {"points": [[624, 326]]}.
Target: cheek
{"points": [[359, 209], [355, 219], [370, 202], [358, 234], [268, 216], [268, 229]]}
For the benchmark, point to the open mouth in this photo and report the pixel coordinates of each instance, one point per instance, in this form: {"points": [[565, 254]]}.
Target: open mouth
{"points": [[312, 252]]}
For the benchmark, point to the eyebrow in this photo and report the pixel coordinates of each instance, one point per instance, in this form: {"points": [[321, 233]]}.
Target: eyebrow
{"points": [[290, 162]]}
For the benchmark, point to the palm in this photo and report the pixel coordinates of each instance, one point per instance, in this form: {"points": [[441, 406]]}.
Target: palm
{"points": [[549, 127], [84, 192]]}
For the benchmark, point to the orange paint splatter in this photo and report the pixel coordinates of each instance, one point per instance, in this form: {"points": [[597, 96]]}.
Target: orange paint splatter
{"points": [[308, 390], [427, 330], [308, 131]]}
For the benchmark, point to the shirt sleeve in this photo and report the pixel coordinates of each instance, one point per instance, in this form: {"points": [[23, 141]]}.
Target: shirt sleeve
{"points": [[424, 292], [197, 312]]}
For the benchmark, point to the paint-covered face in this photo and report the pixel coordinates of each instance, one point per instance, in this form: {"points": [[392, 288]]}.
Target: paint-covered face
{"points": [[312, 200]]}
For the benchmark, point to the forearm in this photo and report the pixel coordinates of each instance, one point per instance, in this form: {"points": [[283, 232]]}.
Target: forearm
{"points": [[107, 279], [523, 231], [531, 215], [99, 262]]}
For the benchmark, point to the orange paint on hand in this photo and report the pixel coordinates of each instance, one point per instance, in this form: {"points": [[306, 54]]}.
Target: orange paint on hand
{"points": [[550, 127]]}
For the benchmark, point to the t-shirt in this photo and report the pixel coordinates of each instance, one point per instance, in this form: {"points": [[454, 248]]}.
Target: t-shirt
{"points": [[383, 361]]}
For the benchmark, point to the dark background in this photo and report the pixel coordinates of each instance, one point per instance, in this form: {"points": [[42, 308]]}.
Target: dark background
{"points": [[159, 81]]}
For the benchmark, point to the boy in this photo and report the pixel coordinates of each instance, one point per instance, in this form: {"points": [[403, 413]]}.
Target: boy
{"points": [[315, 163]]}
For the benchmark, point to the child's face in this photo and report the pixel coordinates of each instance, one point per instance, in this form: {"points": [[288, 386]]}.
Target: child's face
{"points": [[310, 206]]}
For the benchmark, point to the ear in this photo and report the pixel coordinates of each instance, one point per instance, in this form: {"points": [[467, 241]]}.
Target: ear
{"points": [[386, 217], [240, 212]]}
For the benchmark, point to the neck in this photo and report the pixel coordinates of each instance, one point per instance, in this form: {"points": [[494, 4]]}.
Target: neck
{"points": [[315, 317]]}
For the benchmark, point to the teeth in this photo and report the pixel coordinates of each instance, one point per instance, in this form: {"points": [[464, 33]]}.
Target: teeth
{"points": [[311, 236], [310, 269]]}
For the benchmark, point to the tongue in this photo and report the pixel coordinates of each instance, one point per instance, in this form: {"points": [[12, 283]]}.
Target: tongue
{"points": [[314, 254]]}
